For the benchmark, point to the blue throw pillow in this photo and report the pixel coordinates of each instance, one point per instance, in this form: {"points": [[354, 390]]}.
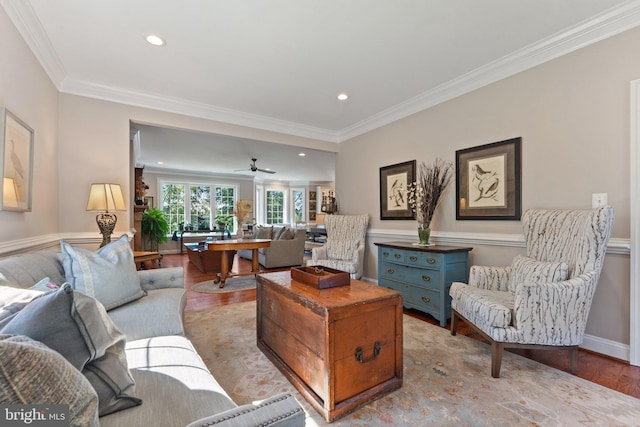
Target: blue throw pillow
{"points": [[108, 274], [79, 328]]}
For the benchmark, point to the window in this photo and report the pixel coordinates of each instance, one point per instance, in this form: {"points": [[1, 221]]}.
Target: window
{"points": [[298, 204], [173, 204], [191, 204], [275, 207]]}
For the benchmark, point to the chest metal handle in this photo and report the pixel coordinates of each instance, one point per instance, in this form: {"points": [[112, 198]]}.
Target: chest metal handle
{"points": [[413, 258], [431, 260], [426, 278], [426, 299], [376, 351]]}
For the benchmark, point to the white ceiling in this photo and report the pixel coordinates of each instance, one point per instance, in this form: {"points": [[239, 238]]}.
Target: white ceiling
{"points": [[279, 64], [200, 153]]}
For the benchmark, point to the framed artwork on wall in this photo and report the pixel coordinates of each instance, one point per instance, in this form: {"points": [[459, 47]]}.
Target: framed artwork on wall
{"points": [[488, 181], [16, 146], [394, 182], [148, 201]]}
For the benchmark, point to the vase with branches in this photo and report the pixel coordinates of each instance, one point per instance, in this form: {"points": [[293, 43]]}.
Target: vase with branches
{"points": [[425, 194]]}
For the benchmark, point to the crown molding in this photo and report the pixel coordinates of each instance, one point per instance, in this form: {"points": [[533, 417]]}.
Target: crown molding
{"points": [[31, 30], [607, 24], [602, 26], [193, 109]]}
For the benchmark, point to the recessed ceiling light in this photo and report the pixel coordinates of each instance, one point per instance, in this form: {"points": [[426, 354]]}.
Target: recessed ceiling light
{"points": [[343, 97], [155, 40], [160, 163], [301, 154]]}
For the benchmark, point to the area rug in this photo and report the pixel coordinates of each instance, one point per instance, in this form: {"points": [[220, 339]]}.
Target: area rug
{"points": [[231, 285], [446, 380]]}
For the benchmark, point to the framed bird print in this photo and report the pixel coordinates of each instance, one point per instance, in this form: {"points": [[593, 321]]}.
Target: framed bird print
{"points": [[488, 181], [16, 149], [394, 182]]}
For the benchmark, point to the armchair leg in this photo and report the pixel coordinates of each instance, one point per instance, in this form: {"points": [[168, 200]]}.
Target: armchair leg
{"points": [[497, 348], [573, 359], [454, 322]]}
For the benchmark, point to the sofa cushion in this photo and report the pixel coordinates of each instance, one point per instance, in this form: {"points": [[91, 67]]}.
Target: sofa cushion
{"points": [[22, 271], [529, 270], [287, 234], [159, 313], [83, 334], [32, 373], [12, 300], [108, 274], [264, 232], [341, 249], [174, 382], [277, 231]]}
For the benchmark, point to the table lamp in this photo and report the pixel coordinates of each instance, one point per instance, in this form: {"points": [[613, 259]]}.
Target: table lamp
{"points": [[10, 198], [106, 197]]}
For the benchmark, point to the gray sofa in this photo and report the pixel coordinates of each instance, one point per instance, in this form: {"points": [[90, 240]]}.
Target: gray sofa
{"points": [[281, 253], [174, 384]]}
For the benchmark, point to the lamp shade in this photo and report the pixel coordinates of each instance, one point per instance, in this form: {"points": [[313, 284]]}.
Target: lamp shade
{"points": [[106, 197], [10, 193]]}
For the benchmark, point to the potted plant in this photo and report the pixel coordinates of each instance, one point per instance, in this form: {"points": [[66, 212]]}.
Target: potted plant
{"points": [[154, 229]]}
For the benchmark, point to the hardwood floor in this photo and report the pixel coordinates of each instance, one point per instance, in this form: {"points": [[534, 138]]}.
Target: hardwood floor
{"points": [[612, 373]]}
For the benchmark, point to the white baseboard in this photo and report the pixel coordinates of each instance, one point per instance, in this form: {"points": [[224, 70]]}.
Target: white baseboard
{"points": [[606, 347]]}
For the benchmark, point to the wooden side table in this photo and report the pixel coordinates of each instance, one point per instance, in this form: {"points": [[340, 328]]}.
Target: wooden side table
{"points": [[148, 260]]}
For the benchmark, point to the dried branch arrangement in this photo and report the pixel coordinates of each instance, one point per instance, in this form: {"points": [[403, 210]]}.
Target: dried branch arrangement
{"points": [[426, 193]]}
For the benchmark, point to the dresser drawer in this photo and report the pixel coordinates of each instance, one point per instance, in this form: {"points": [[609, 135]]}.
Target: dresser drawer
{"points": [[424, 299], [424, 259], [416, 276], [392, 255]]}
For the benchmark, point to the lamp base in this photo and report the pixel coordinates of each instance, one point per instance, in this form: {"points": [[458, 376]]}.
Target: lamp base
{"points": [[106, 224]]}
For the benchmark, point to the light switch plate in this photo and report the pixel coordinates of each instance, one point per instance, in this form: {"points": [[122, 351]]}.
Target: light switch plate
{"points": [[598, 199]]}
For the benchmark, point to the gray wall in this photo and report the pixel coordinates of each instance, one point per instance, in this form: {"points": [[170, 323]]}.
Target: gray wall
{"points": [[573, 116]]}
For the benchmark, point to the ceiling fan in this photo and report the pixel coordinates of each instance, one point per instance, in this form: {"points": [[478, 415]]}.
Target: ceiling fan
{"points": [[254, 168]]}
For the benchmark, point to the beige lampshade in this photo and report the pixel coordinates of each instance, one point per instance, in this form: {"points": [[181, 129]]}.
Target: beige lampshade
{"points": [[320, 218], [105, 198], [9, 193]]}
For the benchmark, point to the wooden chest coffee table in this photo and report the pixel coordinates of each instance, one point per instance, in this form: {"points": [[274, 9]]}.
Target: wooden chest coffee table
{"points": [[340, 347]]}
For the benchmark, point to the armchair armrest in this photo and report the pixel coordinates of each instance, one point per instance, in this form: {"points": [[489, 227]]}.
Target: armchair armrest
{"points": [[281, 410], [490, 278], [160, 278], [554, 313]]}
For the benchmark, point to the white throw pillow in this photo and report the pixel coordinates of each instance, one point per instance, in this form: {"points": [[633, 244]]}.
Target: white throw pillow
{"points": [[529, 270], [108, 275]]}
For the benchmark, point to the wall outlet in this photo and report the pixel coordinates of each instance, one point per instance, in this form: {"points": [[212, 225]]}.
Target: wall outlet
{"points": [[598, 199]]}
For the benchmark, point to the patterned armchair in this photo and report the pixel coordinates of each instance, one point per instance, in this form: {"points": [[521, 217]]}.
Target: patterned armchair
{"points": [[345, 245], [542, 300]]}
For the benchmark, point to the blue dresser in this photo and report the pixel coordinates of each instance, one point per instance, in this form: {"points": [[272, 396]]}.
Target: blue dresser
{"points": [[423, 274]]}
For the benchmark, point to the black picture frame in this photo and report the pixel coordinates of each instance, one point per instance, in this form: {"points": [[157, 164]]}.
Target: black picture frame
{"points": [[488, 181], [394, 180]]}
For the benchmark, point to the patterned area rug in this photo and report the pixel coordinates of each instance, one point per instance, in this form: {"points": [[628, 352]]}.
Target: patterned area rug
{"points": [[446, 380], [231, 285]]}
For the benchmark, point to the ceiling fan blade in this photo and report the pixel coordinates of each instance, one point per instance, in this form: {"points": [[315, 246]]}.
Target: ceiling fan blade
{"points": [[267, 171]]}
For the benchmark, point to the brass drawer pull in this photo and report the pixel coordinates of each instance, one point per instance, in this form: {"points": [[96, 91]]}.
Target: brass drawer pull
{"points": [[397, 256], [376, 351], [385, 254], [426, 299], [391, 271], [426, 278], [413, 258], [431, 260]]}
